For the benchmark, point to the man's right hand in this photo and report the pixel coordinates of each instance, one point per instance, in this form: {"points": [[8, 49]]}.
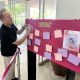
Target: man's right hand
{"points": [[29, 28]]}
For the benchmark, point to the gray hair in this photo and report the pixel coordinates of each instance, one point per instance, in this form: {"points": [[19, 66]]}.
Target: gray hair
{"points": [[1, 13]]}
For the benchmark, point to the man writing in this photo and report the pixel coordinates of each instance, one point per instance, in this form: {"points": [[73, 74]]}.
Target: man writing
{"points": [[9, 41]]}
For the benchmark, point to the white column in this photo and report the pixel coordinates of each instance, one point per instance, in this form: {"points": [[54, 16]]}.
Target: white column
{"points": [[27, 15], [2, 5], [68, 9]]}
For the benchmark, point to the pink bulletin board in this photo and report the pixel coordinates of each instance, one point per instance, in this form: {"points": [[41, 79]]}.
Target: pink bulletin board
{"points": [[57, 40]]}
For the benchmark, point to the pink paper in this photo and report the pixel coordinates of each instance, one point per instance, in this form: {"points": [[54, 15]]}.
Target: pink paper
{"points": [[37, 32], [48, 48], [47, 55], [36, 48], [31, 36], [58, 57], [78, 55], [58, 33], [74, 59]]}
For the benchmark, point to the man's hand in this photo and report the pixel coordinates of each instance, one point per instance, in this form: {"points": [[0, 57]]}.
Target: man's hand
{"points": [[24, 26], [22, 29], [29, 28]]}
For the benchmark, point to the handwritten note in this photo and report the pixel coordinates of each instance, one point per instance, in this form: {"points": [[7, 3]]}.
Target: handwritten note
{"points": [[48, 47], [63, 52], [46, 35], [31, 36], [58, 33], [47, 55], [29, 42], [36, 48], [74, 59], [37, 41], [37, 32], [78, 55], [58, 57]]}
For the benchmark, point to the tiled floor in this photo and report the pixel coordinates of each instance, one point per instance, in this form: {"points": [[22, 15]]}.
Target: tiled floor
{"points": [[45, 72]]}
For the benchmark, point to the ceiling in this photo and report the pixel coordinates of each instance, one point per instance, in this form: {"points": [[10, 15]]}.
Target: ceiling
{"points": [[32, 3], [35, 3]]}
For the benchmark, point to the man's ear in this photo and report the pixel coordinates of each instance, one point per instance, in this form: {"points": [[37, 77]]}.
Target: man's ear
{"points": [[2, 19]]}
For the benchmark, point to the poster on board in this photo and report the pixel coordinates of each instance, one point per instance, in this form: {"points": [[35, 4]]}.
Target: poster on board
{"points": [[56, 40], [71, 40]]}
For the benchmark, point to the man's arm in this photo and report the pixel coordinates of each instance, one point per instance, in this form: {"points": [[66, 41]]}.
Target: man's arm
{"points": [[22, 39], [22, 29]]}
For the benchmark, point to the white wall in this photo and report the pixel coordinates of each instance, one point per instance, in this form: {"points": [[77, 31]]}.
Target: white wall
{"points": [[68, 9], [50, 9], [2, 5]]}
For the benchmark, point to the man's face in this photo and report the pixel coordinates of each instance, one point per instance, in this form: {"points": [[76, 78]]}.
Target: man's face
{"points": [[7, 19]]}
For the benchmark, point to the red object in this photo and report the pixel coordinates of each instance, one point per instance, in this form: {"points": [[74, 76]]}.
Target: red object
{"points": [[55, 42]]}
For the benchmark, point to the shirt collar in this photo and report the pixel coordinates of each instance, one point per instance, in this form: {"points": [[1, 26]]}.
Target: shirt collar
{"points": [[6, 27]]}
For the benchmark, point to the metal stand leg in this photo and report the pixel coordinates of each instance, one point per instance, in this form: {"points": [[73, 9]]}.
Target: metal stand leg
{"points": [[41, 60], [70, 75], [18, 66], [31, 66]]}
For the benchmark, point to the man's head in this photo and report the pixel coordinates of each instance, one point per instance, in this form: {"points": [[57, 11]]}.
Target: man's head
{"points": [[5, 17]]}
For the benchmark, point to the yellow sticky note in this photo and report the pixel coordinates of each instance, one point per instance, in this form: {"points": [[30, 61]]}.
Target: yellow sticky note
{"points": [[37, 32], [36, 48], [78, 55], [58, 57], [48, 48], [31, 36], [58, 33]]}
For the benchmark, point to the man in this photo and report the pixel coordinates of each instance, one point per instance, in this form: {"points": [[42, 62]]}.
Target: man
{"points": [[9, 41]]}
